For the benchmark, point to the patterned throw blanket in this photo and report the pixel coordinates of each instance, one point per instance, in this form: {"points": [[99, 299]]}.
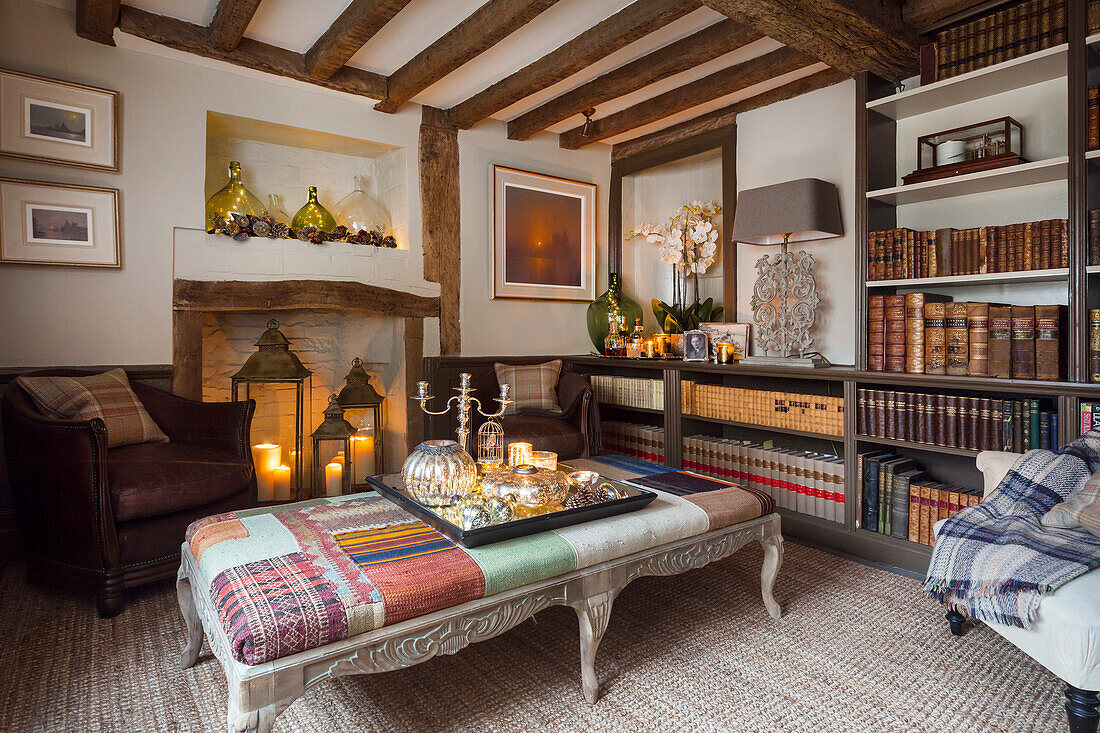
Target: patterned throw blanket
{"points": [[995, 561]]}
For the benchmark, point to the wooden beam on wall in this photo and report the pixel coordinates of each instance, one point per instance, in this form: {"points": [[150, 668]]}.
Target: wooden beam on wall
{"points": [[230, 20], [187, 354], [719, 84], [607, 36], [440, 204], [687, 53], [921, 14], [726, 116], [209, 296], [358, 23], [414, 372], [96, 20], [851, 35], [252, 54]]}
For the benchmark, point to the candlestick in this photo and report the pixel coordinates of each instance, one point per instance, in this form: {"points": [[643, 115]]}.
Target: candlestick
{"points": [[265, 457], [281, 483], [464, 403], [334, 483]]}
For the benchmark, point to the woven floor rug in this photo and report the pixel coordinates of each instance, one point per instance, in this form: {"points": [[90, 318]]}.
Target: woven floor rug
{"points": [[857, 649]]}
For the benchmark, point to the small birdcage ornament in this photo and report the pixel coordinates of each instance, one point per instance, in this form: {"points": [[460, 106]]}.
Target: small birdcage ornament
{"points": [[490, 442]]}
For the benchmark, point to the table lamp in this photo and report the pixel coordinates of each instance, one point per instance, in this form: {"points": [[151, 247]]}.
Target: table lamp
{"points": [[784, 299]]}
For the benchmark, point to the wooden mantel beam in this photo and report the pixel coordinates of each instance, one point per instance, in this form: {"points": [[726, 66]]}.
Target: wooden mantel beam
{"points": [[850, 35], [687, 53], [607, 36], [96, 20], [230, 20], [727, 81], [487, 26], [281, 295], [249, 53], [358, 23]]}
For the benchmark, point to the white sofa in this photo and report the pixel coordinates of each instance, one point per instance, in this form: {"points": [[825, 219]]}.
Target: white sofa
{"points": [[1065, 637]]}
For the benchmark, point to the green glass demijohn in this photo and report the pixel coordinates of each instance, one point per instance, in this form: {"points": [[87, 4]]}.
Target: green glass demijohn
{"points": [[233, 198], [612, 302], [314, 215]]}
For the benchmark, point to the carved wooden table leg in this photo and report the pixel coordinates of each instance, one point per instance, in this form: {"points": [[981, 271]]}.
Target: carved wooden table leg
{"points": [[254, 721], [769, 571], [190, 653], [593, 613]]}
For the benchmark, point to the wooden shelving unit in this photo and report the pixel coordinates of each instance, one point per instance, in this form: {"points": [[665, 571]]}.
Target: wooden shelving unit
{"points": [[993, 278], [614, 406], [765, 428], [1013, 176], [912, 445]]}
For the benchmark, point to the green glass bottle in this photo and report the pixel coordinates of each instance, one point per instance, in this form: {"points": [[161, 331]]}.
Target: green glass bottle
{"points": [[233, 198], [611, 303], [314, 215]]}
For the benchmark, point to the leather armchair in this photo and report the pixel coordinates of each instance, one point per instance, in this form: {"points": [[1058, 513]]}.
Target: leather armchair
{"points": [[575, 433], [114, 519]]}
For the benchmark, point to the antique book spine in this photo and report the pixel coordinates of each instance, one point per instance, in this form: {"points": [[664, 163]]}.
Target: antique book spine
{"points": [[914, 513], [895, 333], [876, 333], [951, 421], [899, 502], [994, 235], [999, 37], [1094, 236], [1094, 345], [1034, 25], [863, 411], [914, 333], [1029, 246], [935, 338], [928, 68], [995, 439], [1000, 342], [1094, 117], [977, 323], [1060, 29], [1017, 426], [878, 410], [1049, 324], [1046, 23], [889, 412], [983, 409], [958, 352], [1047, 253], [925, 525], [970, 418], [1023, 341], [983, 250]]}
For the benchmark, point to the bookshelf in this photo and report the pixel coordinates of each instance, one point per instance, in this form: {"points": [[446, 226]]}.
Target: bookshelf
{"points": [[1056, 274], [1015, 176]]}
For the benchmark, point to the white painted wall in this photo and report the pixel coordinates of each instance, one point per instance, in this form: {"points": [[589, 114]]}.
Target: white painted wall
{"points": [[812, 136]]}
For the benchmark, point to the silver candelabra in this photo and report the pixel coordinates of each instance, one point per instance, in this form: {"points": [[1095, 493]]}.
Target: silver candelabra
{"points": [[463, 401]]}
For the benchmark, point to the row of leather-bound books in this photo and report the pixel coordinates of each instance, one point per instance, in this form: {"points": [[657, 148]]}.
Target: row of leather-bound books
{"points": [[956, 421], [644, 442], [898, 499], [900, 254], [791, 410], [629, 391], [926, 333], [802, 481]]}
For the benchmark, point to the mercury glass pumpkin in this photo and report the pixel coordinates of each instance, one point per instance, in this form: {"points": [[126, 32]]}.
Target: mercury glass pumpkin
{"points": [[438, 472], [526, 486], [232, 198], [314, 215], [358, 211]]}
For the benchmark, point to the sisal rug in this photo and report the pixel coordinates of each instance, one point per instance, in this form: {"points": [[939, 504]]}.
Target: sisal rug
{"points": [[857, 649]]}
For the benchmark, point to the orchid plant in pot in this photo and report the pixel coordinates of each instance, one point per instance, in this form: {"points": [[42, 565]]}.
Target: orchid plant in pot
{"points": [[688, 242]]}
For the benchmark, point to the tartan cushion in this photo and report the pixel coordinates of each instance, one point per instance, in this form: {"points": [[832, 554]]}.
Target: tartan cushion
{"points": [[534, 387], [1080, 510], [107, 396]]}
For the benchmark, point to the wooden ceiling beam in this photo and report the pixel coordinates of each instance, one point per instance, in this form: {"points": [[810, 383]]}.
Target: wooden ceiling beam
{"points": [[358, 23], [252, 54], [719, 84], [487, 26], [687, 53], [850, 35], [230, 20], [921, 14], [96, 20], [727, 115], [607, 36]]}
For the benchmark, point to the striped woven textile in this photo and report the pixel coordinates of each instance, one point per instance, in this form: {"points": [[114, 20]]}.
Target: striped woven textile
{"points": [[397, 542]]}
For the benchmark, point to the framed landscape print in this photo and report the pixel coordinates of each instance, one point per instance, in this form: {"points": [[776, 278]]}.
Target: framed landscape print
{"points": [[58, 224], [58, 122], [544, 243]]}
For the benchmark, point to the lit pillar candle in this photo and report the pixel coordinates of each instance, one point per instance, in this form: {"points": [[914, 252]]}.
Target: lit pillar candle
{"points": [[362, 456], [334, 484], [547, 459], [265, 457], [281, 483], [519, 454]]}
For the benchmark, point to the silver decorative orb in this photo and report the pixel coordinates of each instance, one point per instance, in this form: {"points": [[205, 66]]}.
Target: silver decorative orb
{"points": [[437, 472], [526, 486], [500, 510], [472, 514]]}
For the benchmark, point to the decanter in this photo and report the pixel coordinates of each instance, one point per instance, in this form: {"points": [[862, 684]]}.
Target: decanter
{"points": [[358, 211], [275, 209], [233, 198], [314, 215]]}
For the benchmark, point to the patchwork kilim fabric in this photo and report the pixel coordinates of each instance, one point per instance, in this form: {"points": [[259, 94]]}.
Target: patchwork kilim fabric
{"points": [[995, 560], [299, 576]]}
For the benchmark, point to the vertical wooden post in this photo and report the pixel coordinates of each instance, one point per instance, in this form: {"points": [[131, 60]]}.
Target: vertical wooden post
{"points": [[1076, 353], [187, 354], [414, 372], [673, 429], [440, 203], [729, 210]]}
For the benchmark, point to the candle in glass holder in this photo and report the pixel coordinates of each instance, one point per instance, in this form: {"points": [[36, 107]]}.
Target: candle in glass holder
{"points": [[547, 459], [362, 455], [485, 466], [281, 482], [334, 479], [519, 454], [265, 457]]}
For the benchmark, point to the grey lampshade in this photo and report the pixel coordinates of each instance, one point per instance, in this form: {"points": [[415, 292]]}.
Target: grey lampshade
{"points": [[807, 208]]}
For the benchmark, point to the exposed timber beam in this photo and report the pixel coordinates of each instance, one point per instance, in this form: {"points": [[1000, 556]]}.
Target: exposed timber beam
{"points": [[687, 53], [230, 20], [96, 20], [719, 84], [727, 115], [850, 35], [441, 228], [487, 26], [607, 36], [358, 23], [922, 14], [250, 53]]}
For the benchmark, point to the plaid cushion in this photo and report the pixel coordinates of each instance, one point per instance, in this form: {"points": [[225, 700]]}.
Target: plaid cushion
{"points": [[107, 396], [1081, 510], [534, 387]]}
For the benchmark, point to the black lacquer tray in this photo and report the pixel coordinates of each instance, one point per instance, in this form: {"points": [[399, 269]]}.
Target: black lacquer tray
{"points": [[391, 487]]}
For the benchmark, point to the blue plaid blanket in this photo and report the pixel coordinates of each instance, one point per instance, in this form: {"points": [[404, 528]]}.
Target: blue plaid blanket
{"points": [[995, 561]]}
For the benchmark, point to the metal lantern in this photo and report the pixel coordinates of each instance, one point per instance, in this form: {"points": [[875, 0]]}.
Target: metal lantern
{"points": [[274, 363], [333, 461], [364, 408]]}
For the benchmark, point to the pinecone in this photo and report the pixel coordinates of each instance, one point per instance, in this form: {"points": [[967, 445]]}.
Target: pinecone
{"points": [[582, 497]]}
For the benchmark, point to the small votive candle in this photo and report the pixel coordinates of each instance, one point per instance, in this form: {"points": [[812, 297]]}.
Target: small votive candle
{"points": [[723, 351], [650, 350], [487, 465], [519, 454], [334, 479], [281, 483], [547, 459]]}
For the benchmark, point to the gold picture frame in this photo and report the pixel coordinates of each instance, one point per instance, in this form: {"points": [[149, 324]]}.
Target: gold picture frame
{"points": [[45, 223], [55, 121]]}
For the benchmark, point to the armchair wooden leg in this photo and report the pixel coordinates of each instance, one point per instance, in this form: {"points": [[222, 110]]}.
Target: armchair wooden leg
{"points": [[1081, 709], [956, 620], [109, 597]]}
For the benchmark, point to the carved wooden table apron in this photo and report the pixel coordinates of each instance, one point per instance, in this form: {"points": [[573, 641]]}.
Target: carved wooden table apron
{"points": [[258, 693]]}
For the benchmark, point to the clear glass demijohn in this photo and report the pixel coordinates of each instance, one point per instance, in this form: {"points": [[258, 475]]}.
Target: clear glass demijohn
{"points": [[358, 211]]}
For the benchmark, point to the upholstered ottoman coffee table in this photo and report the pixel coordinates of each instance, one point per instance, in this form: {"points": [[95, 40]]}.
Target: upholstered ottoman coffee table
{"points": [[293, 595]]}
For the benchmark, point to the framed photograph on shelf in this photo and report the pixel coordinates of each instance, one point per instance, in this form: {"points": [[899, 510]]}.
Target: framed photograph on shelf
{"points": [[695, 346], [735, 334], [544, 236], [55, 121], [58, 224]]}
